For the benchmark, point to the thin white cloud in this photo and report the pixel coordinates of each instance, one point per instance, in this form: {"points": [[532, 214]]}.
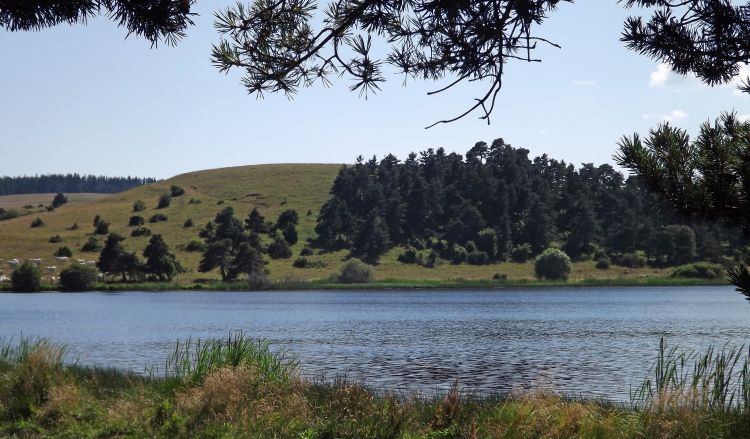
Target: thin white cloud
{"points": [[660, 76], [544, 131], [585, 83], [672, 116]]}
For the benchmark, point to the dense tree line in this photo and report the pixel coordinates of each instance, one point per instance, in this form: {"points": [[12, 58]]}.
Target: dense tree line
{"points": [[496, 203], [69, 183]]}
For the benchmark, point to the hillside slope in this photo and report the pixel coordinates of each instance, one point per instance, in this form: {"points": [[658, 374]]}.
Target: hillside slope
{"points": [[270, 188]]}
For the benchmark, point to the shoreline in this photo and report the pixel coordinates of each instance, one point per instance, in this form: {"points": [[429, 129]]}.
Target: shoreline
{"points": [[391, 284]]}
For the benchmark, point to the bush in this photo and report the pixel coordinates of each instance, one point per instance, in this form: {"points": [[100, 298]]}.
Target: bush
{"points": [[135, 221], [37, 223], [26, 278], [195, 201], [92, 245], [355, 271], [499, 276], [195, 246], [303, 262], [59, 200], [138, 206], [9, 214], [553, 264], [521, 253], [306, 251], [73, 227], [158, 218], [188, 223], [602, 263], [279, 249], [164, 201], [699, 270], [458, 254], [102, 227], [176, 191], [477, 258], [630, 260], [432, 261], [409, 256], [78, 277], [55, 239], [140, 231], [64, 252]]}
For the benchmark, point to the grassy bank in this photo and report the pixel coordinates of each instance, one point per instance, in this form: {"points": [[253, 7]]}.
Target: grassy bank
{"points": [[393, 284], [238, 387]]}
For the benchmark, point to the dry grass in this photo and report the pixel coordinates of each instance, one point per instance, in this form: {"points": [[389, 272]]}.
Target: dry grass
{"points": [[18, 201]]}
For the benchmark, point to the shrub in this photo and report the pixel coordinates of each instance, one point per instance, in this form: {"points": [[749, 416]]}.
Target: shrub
{"points": [[158, 218], [355, 271], [9, 214], [140, 231], [630, 260], [164, 201], [432, 261], [699, 270], [59, 200], [306, 251], [138, 206], [458, 254], [135, 221], [188, 223], [553, 264], [29, 206], [602, 263], [195, 201], [195, 246], [73, 227], [102, 227], [27, 277], [477, 258], [97, 218], [176, 191], [92, 245], [49, 208], [521, 253], [55, 239], [78, 277], [279, 249], [409, 256], [64, 251], [303, 262], [499, 276], [37, 223]]}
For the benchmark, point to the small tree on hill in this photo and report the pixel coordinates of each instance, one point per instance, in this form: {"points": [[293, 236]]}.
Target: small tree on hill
{"points": [[176, 191], [355, 271], [164, 201], [64, 251], [159, 261], [37, 223], [249, 261], [92, 245], [139, 206], [102, 227], [279, 248], [218, 254], [135, 221], [255, 222], [115, 260], [59, 200], [26, 278]]}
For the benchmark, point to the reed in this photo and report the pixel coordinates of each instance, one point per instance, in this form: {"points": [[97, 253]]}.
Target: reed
{"points": [[714, 380], [191, 360]]}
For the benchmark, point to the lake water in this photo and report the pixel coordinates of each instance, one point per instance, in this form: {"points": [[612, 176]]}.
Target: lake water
{"points": [[589, 341]]}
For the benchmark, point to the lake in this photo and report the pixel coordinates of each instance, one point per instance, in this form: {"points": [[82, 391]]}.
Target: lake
{"points": [[593, 342]]}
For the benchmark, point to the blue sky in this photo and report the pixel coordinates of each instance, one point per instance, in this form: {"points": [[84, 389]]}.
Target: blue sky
{"points": [[85, 99]]}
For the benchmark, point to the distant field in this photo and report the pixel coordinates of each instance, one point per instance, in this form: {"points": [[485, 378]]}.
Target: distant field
{"points": [[270, 188], [18, 201]]}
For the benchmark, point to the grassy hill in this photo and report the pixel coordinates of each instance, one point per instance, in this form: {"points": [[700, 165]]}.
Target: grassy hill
{"points": [[270, 188]]}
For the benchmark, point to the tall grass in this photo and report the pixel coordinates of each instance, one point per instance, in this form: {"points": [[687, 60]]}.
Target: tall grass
{"points": [[714, 380], [191, 360], [13, 353]]}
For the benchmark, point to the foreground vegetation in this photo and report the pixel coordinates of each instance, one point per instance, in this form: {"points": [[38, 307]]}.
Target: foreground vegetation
{"points": [[239, 387]]}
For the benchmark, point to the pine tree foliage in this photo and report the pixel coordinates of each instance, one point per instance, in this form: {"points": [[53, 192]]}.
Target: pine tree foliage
{"points": [[497, 202], [154, 20]]}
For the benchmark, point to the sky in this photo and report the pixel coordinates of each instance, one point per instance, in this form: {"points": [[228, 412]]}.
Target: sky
{"points": [[85, 99]]}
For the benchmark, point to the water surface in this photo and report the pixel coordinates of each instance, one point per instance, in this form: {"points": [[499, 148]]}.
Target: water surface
{"points": [[590, 341]]}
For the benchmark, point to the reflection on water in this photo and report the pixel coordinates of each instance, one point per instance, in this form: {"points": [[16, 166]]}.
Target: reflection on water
{"points": [[590, 341]]}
